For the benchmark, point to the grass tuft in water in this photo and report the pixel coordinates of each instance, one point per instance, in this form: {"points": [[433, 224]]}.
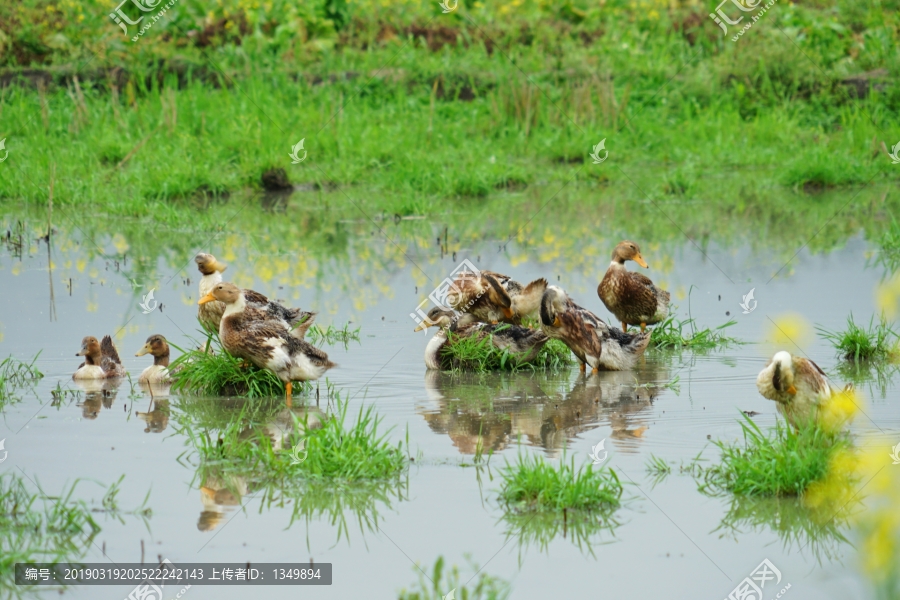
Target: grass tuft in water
{"points": [[13, 374], [782, 462], [671, 334], [532, 484], [217, 373], [444, 581], [332, 335], [482, 356], [875, 342]]}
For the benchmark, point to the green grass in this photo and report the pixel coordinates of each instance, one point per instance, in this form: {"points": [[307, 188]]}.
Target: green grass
{"points": [[782, 462], [14, 374], [482, 356], [584, 530], [218, 373], [673, 333], [889, 256], [876, 342], [442, 581], [533, 484], [332, 335]]}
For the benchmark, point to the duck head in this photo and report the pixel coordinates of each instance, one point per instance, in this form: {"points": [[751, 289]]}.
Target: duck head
{"points": [[223, 292], [783, 377], [157, 346], [90, 350], [553, 303], [628, 251], [437, 317], [207, 264]]}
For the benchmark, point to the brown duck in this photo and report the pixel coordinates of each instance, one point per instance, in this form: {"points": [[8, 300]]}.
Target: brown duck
{"points": [[492, 297], [101, 359], [632, 297]]}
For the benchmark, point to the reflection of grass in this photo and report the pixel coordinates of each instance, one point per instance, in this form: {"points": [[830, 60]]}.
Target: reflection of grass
{"points": [[581, 528], [797, 525], [780, 463], [218, 373], [877, 373], [875, 342], [332, 335], [481, 356], [442, 582], [671, 334], [533, 484], [890, 247], [15, 373]]}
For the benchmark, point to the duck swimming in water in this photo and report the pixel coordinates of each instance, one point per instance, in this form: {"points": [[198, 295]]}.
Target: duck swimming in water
{"points": [[101, 359], [157, 346]]}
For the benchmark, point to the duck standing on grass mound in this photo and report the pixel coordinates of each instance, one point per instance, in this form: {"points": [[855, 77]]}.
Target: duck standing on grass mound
{"points": [[632, 297], [256, 336], [798, 386], [157, 346], [210, 313], [493, 297], [101, 359], [523, 343], [594, 342]]}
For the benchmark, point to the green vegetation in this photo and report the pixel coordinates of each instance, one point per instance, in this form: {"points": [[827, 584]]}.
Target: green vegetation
{"points": [[14, 374], [783, 462], [584, 530], [442, 581], [875, 342], [532, 484], [889, 256], [217, 373], [332, 335], [482, 356], [671, 334]]}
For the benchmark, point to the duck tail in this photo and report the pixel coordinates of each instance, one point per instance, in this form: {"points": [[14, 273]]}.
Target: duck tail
{"points": [[108, 350], [529, 301]]}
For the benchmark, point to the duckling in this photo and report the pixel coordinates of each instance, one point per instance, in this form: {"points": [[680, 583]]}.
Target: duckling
{"points": [[493, 297], [101, 359], [523, 343], [266, 341], [593, 341], [798, 386], [632, 297], [210, 313], [157, 346]]}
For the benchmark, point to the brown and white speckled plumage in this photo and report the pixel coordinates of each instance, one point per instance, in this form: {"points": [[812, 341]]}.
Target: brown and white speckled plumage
{"points": [[210, 313], [523, 343], [593, 341], [632, 297], [493, 297], [797, 385], [256, 336], [101, 359]]}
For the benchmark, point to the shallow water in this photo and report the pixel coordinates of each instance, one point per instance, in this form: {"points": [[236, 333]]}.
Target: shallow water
{"points": [[670, 540]]}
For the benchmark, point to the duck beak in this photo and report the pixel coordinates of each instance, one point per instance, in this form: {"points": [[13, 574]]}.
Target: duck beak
{"points": [[422, 326], [82, 352], [143, 350], [791, 390], [640, 260], [556, 322], [207, 298], [507, 312]]}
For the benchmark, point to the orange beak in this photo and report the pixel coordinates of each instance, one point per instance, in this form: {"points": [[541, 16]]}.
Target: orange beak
{"points": [[640, 260], [556, 322], [507, 312], [207, 298], [792, 390]]}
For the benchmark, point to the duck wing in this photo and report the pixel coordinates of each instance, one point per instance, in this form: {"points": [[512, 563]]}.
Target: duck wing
{"points": [[109, 357]]}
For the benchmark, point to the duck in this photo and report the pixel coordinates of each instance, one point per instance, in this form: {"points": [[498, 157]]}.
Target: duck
{"points": [[632, 297], [799, 387], [101, 359], [492, 297], [210, 313], [593, 341], [157, 346], [255, 335], [522, 342]]}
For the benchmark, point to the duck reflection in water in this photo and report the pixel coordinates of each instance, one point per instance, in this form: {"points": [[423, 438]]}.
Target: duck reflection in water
{"points": [[157, 418], [496, 410], [98, 394]]}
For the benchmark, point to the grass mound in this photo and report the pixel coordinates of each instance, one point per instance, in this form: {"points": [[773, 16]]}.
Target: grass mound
{"points": [[782, 462], [481, 356], [443, 582], [671, 334], [532, 484], [875, 342]]}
